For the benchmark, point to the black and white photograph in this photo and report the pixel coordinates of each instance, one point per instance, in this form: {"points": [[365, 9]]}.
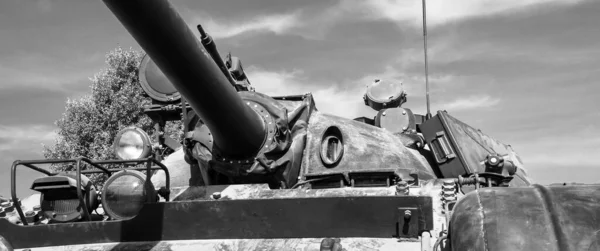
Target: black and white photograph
{"points": [[330, 125]]}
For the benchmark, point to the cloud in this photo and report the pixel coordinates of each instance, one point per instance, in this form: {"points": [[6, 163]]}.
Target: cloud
{"points": [[18, 77], [21, 142], [473, 102], [571, 149], [345, 97], [341, 100], [44, 5], [276, 23], [442, 11], [315, 23], [25, 136]]}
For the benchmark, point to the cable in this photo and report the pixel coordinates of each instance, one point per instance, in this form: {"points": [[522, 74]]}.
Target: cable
{"points": [[309, 181], [438, 242]]}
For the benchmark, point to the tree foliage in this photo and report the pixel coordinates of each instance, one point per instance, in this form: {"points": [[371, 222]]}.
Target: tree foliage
{"points": [[91, 122]]}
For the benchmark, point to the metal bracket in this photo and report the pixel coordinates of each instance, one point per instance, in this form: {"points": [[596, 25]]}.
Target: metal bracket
{"points": [[404, 216], [269, 143], [442, 150]]}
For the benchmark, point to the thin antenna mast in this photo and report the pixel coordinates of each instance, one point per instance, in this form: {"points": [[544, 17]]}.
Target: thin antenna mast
{"points": [[428, 115]]}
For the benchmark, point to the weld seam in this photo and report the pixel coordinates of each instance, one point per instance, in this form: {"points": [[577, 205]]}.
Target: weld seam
{"points": [[485, 241], [552, 213]]}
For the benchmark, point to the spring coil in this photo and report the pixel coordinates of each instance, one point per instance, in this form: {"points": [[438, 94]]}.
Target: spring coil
{"points": [[466, 181]]}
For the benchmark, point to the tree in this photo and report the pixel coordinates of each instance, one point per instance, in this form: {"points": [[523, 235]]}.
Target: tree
{"points": [[90, 123]]}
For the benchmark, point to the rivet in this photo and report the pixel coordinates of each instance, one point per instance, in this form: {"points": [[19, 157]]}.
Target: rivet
{"points": [[403, 112], [407, 214], [248, 103], [230, 162], [404, 128], [255, 106], [267, 115], [383, 114]]}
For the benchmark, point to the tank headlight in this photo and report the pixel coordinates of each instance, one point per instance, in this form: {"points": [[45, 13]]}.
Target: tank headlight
{"points": [[125, 193], [59, 201], [132, 143]]}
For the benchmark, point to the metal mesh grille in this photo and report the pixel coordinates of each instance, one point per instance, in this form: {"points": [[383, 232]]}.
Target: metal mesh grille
{"points": [[61, 206]]}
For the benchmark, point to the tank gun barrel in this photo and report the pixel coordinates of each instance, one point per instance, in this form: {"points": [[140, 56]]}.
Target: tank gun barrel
{"points": [[237, 130]]}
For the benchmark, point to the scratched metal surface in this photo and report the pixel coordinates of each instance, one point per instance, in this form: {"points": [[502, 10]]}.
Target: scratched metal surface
{"points": [[256, 191], [307, 244], [366, 148]]}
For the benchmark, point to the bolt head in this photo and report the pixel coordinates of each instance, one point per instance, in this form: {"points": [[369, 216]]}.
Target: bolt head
{"points": [[449, 182], [407, 214]]}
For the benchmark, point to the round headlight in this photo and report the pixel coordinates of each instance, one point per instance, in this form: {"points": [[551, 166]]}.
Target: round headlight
{"points": [[58, 197], [132, 143], [125, 193]]}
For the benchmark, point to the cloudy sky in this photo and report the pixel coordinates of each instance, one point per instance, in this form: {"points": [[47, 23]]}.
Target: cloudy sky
{"points": [[523, 71]]}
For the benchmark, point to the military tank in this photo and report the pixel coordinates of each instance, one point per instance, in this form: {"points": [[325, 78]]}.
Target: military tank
{"points": [[256, 172]]}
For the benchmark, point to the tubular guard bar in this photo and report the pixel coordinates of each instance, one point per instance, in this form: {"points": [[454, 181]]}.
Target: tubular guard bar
{"points": [[97, 164]]}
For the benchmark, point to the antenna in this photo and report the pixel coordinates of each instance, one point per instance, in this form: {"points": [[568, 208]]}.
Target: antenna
{"points": [[428, 115]]}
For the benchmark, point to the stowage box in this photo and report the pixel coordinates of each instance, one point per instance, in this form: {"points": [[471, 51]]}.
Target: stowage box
{"points": [[459, 149]]}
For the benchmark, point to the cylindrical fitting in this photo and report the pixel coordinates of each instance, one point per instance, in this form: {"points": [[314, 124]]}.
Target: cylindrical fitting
{"points": [[31, 216], [407, 214], [402, 188], [8, 206]]}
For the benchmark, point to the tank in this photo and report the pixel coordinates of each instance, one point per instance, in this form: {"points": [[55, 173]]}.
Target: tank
{"points": [[256, 172]]}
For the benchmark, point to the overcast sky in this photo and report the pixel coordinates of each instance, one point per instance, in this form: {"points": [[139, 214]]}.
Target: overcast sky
{"points": [[522, 71]]}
